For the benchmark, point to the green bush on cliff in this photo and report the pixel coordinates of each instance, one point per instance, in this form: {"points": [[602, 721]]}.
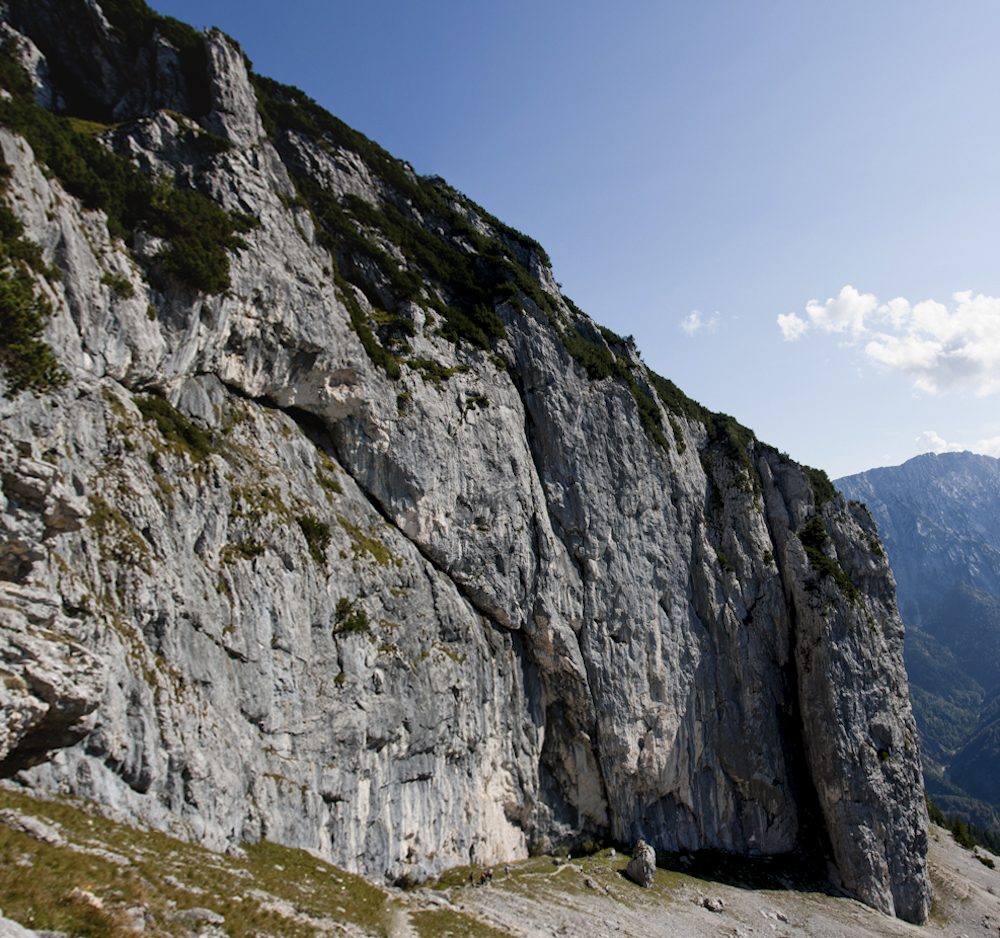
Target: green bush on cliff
{"points": [[27, 361], [418, 216], [348, 618], [174, 427], [200, 232], [317, 535], [598, 360], [822, 487], [814, 538]]}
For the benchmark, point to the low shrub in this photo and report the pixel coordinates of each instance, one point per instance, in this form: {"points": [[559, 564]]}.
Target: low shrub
{"points": [[822, 488], [317, 535], [174, 427], [119, 286], [724, 562], [27, 361], [814, 538], [347, 618]]}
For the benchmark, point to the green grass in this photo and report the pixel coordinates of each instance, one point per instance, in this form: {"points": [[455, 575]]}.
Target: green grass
{"points": [[433, 372], [364, 544], [37, 892], [126, 867], [444, 923], [180, 434]]}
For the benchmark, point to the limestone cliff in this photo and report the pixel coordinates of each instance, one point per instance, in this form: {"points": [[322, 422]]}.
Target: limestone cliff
{"points": [[364, 538]]}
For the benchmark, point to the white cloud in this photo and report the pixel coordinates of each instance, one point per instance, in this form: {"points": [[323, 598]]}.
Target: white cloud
{"points": [[792, 327], [942, 348], [846, 312], [930, 442], [694, 323]]}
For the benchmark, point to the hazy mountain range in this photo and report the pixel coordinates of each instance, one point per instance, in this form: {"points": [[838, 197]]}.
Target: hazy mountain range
{"points": [[939, 518]]}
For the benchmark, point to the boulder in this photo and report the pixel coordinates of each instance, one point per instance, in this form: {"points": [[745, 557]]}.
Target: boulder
{"points": [[641, 868]]}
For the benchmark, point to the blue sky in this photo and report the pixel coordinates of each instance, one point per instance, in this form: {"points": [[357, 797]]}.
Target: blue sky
{"points": [[742, 160]]}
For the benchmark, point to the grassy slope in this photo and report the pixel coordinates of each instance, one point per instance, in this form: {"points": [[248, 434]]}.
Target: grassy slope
{"points": [[85, 884]]}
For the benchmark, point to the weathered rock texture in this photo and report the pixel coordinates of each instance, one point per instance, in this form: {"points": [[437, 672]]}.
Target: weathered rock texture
{"points": [[417, 622], [641, 868]]}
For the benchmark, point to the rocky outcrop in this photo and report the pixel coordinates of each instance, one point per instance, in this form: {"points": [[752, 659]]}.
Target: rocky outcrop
{"points": [[859, 735], [51, 682], [641, 868], [415, 620]]}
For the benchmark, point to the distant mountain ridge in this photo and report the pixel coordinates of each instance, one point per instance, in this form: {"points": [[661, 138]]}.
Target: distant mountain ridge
{"points": [[939, 518]]}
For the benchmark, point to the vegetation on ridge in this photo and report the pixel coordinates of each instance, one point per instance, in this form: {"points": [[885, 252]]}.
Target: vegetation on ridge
{"points": [[460, 262], [966, 833], [461, 285], [199, 232], [814, 538]]}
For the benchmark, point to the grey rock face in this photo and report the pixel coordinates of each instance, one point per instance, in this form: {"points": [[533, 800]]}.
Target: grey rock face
{"points": [[641, 869], [126, 80], [11, 929], [859, 735], [415, 623]]}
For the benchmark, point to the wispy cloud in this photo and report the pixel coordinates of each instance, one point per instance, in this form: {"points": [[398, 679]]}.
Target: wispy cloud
{"points": [[694, 323], [942, 348], [930, 442]]}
